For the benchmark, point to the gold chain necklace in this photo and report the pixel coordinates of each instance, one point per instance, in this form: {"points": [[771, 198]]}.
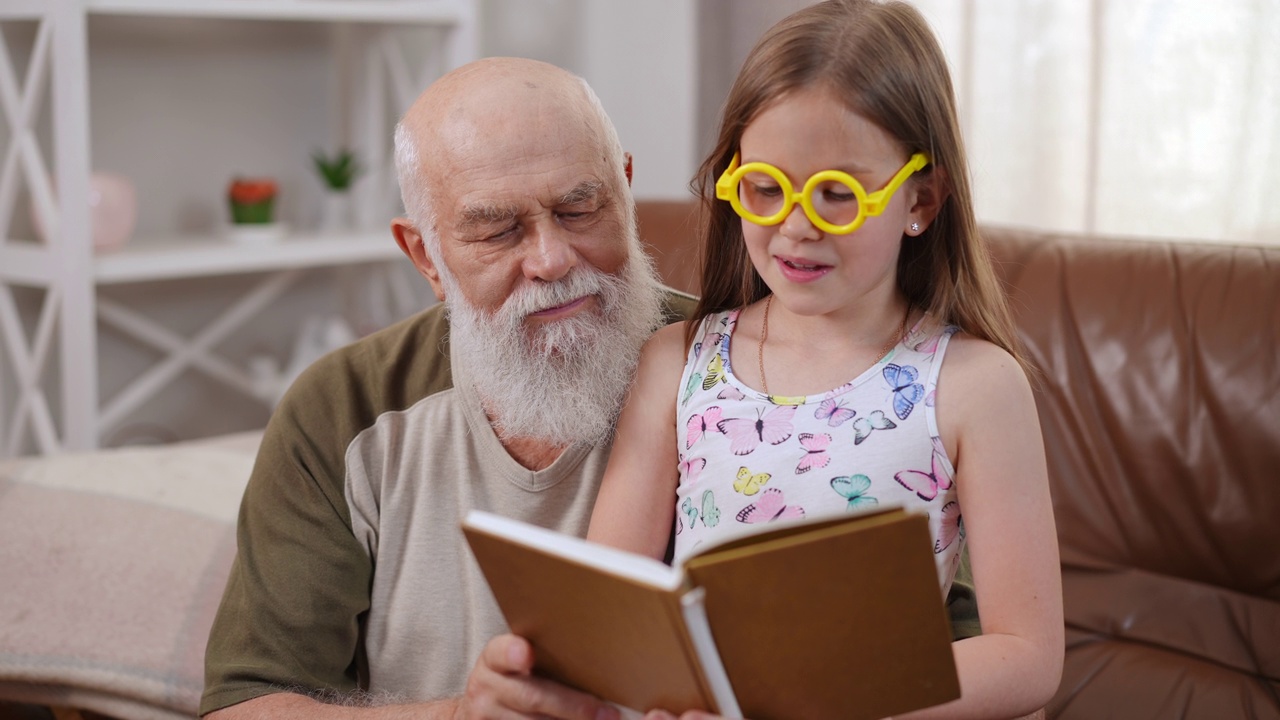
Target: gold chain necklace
{"points": [[764, 335]]}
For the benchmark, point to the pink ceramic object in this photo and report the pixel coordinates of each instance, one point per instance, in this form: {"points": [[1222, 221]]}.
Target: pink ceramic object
{"points": [[113, 211]]}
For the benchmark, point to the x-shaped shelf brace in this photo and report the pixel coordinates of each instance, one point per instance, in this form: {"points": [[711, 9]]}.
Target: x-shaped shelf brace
{"points": [[21, 104]]}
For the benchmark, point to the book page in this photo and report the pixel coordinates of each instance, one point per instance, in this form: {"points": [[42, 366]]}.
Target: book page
{"points": [[601, 557]]}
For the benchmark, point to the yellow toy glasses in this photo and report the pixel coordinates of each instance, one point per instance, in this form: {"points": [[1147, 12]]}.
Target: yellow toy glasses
{"points": [[834, 201]]}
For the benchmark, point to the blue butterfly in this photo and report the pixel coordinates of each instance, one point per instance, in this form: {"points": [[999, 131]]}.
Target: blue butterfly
{"points": [[851, 488], [906, 391]]}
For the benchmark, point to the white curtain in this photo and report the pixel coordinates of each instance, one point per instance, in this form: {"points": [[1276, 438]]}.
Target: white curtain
{"points": [[1148, 118]]}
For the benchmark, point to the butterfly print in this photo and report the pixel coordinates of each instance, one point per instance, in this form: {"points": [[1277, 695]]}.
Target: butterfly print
{"points": [[710, 513], [689, 511], [786, 399], [715, 373], [952, 527], [731, 393], [834, 412], [863, 426], [926, 485], [928, 345], [815, 452], [853, 488], [694, 381], [769, 507], [906, 391], [701, 423], [690, 470], [745, 434], [749, 483]]}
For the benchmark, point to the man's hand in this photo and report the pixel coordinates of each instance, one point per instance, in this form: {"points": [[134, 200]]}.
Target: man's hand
{"points": [[502, 685]]}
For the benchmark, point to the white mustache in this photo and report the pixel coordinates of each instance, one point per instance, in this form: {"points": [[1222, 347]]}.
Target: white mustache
{"points": [[533, 298]]}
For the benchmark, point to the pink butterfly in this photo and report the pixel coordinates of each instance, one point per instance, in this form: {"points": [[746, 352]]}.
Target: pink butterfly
{"points": [[699, 424], [773, 426], [815, 452], [770, 506], [929, 345], [690, 469], [731, 393], [835, 413], [952, 526], [926, 485]]}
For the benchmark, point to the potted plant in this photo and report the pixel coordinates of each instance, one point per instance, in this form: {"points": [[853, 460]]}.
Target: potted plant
{"points": [[337, 173], [253, 205], [252, 200]]}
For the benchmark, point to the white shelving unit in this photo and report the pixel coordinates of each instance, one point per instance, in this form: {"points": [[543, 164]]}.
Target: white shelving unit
{"points": [[67, 268]]}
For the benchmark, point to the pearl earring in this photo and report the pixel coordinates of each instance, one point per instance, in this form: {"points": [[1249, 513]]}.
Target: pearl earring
{"points": [[915, 227]]}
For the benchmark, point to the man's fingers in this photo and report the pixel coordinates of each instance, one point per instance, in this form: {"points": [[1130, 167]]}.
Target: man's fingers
{"points": [[539, 696], [502, 686], [507, 655]]}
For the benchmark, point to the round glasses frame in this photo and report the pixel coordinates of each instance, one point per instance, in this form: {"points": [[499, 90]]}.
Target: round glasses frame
{"points": [[869, 204]]}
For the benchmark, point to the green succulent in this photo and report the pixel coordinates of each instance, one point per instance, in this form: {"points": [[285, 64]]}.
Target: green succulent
{"points": [[339, 171]]}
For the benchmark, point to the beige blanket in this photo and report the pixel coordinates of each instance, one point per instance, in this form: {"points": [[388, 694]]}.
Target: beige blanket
{"points": [[111, 567]]}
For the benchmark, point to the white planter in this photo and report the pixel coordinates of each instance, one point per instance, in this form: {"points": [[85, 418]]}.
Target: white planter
{"points": [[336, 211]]}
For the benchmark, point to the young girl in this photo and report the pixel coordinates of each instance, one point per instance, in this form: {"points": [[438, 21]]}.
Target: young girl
{"points": [[841, 268]]}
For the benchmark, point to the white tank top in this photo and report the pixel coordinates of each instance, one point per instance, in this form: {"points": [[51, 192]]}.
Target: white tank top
{"points": [[751, 458]]}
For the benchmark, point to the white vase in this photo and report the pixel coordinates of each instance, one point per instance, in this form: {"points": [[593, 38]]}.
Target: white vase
{"points": [[335, 212]]}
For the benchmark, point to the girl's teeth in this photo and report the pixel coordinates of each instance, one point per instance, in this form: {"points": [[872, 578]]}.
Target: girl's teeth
{"points": [[799, 266]]}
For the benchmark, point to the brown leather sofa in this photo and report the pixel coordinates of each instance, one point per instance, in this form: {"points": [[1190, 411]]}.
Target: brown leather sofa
{"points": [[1159, 396]]}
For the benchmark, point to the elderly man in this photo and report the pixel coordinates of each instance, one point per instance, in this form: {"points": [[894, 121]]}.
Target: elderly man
{"points": [[353, 585], [351, 570]]}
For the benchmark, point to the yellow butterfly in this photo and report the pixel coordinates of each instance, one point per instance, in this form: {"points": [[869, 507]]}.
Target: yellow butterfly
{"points": [[796, 400], [749, 484], [715, 373]]}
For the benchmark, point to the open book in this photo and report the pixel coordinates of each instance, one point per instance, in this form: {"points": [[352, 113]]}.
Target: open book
{"points": [[841, 618]]}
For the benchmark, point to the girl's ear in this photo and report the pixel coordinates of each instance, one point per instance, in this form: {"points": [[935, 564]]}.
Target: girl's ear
{"points": [[930, 191]]}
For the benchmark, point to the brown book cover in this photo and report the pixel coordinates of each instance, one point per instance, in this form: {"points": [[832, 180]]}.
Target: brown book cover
{"points": [[840, 618]]}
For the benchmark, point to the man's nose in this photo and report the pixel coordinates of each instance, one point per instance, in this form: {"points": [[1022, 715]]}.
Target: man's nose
{"points": [[798, 226], [550, 255]]}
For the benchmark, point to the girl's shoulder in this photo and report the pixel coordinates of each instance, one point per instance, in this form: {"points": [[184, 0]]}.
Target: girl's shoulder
{"points": [[972, 361], [977, 378]]}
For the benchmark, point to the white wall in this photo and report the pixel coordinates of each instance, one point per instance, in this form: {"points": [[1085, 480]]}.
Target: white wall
{"points": [[641, 59]]}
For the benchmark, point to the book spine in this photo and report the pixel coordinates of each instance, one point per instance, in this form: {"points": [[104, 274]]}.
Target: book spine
{"points": [[714, 679]]}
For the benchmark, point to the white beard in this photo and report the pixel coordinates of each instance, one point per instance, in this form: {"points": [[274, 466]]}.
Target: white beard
{"points": [[564, 381]]}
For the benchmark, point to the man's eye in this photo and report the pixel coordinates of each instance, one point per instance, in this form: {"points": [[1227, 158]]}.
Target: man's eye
{"points": [[572, 215], [503, 234]]}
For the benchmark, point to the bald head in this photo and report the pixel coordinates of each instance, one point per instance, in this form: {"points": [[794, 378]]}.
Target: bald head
{"points": [[496, 110]]}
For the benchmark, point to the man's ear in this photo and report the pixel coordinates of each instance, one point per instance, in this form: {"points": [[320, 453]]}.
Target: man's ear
{"points": [[411, 243], [929, 192], [627, 167]]}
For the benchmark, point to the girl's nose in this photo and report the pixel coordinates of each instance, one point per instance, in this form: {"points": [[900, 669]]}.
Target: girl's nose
{"points": [[797, 226]]}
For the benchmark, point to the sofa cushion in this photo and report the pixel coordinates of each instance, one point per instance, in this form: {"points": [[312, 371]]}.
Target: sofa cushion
{"points": [[1159, 396]]}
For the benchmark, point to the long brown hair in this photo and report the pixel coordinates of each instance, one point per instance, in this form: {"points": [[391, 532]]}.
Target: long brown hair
{"points": [[883, 61]]}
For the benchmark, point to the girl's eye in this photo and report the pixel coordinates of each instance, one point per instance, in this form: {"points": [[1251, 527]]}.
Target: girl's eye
{"points": [[765, 190], [838, 195]]}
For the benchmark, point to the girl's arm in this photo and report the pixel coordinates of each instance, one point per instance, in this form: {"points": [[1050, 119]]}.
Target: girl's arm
{"points": [[636, 506], [985, 404]]}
